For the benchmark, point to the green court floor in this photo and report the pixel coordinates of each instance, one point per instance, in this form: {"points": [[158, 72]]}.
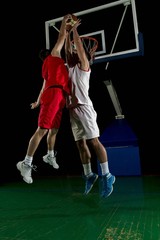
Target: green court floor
{"points": [[54, 208]]}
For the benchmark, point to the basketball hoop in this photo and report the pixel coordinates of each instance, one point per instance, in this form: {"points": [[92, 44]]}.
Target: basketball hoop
{"points": [[90, 45]]}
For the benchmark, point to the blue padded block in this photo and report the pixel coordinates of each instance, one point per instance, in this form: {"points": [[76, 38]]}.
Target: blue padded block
{"points": [[122, 147], [123, 161]]}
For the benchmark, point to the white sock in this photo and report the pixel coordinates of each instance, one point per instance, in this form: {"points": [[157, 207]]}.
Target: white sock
{"points": [[87, 169], [104, 168], [28, 160], [51, 153]]}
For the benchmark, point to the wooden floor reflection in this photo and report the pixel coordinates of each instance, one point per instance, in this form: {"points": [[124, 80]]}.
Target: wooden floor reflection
{"points": [[55, 208]]}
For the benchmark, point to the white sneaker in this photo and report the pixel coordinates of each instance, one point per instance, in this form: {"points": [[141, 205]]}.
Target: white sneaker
{"points": [[51, 160], [25, 171]]}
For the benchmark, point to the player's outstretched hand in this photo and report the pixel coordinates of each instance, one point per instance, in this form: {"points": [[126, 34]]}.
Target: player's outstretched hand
{"points": [[34, 105]]}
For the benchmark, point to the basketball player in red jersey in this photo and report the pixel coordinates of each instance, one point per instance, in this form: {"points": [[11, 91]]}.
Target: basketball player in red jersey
{"points": [[52, 100]]}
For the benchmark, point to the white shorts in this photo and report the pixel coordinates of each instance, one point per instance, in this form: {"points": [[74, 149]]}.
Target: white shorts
{"points": [[83, 120]]}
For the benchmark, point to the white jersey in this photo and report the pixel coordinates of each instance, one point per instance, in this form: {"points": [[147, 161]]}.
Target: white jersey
{"points": [[79, 83], [83, 117]]}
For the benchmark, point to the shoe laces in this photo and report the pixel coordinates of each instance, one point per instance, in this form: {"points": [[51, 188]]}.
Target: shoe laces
{"points": [[55, 153], [104, 180], [86, 178], [51, 158], [32, 167]]}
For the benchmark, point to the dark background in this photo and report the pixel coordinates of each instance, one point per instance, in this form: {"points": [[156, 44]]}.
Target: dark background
{"points": [[23, 37]]}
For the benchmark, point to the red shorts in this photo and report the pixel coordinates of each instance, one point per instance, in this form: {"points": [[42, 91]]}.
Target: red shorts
{"points": [[52, 103]]}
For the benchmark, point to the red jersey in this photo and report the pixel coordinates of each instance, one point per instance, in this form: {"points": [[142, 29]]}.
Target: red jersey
{"points": [[55, 72]]}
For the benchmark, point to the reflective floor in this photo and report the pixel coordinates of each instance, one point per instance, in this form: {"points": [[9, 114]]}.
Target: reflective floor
{"points": [[54, 208]]}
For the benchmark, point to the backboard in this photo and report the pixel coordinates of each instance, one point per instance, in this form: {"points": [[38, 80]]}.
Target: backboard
{"points": [[114, 25]]}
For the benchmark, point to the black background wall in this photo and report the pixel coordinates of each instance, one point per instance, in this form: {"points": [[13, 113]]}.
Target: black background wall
{"points": [[23, 36]]}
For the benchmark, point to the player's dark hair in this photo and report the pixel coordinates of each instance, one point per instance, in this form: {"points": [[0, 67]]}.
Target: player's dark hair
{"points": [[44, 53]]}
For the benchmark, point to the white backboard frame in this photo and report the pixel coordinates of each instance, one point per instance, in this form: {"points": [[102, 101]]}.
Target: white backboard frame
{"points": [[138, 50]]}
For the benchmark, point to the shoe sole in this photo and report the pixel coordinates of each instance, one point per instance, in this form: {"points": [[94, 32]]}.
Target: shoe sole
{"points": [[28, 182], [92, 185]]}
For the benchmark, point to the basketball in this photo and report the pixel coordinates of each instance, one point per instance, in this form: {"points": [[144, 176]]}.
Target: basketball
{"points": [[71, 22]]}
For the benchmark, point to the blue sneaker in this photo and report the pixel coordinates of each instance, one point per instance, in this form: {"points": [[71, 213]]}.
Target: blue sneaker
{"points": [[90, 182], [107, 185]]}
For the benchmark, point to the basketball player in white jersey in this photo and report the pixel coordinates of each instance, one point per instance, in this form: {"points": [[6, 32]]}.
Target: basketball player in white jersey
{"points": [[83, 116]]}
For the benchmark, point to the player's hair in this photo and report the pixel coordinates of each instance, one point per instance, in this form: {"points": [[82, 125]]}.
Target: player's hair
{"points": [[90, 45], [72, 59], [44, 53]]}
